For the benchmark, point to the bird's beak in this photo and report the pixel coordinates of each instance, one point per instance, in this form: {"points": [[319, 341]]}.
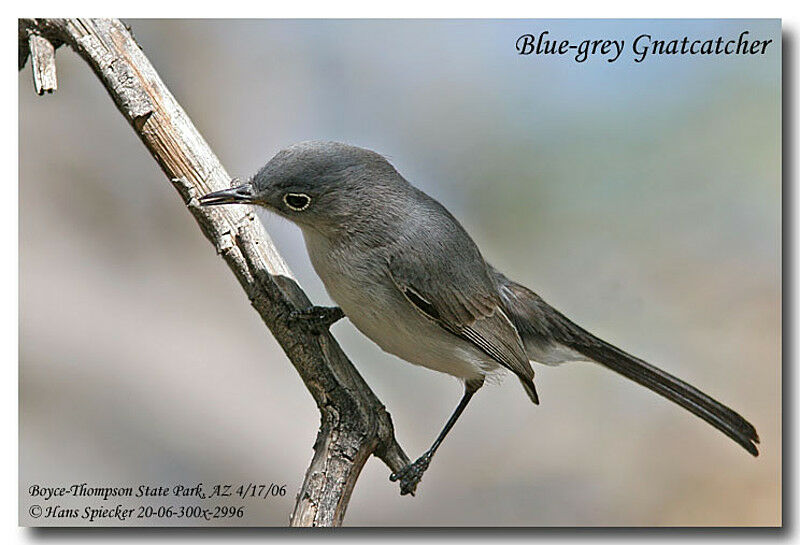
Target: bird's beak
{"points": [[241, 194]]}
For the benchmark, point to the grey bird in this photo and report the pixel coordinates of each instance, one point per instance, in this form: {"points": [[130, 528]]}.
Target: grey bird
{"points": [[409, 277]]}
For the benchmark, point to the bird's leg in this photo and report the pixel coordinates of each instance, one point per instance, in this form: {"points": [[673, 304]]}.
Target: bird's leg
{"points": [[316, 319], [411, 475]]}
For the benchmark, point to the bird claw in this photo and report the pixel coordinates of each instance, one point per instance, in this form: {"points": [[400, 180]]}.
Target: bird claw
{"points": [[315, 319], [411, 475]]}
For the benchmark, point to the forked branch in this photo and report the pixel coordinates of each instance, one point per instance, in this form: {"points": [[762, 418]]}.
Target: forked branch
{"points": [[355, 423]]}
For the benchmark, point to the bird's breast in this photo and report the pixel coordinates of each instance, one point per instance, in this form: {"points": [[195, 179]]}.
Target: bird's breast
{"points": [[358, 280]]}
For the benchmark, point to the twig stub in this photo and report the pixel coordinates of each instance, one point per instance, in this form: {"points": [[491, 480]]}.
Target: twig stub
{"points": [[43, 64]]}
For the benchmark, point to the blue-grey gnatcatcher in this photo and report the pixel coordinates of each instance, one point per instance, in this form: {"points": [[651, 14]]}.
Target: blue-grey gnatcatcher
{"points": [[409, 277]]}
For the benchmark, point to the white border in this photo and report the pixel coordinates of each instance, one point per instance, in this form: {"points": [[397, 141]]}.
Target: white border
{"points": [[9, 281]]}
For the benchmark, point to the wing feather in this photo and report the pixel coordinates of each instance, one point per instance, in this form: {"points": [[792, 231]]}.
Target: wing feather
{"points": [[477, 318]]}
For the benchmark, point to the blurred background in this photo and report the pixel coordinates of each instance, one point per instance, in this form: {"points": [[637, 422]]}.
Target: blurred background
{"points": [[643, 200]]}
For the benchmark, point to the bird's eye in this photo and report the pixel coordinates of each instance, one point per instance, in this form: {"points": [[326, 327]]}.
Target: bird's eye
{"points": [[297, 201]]}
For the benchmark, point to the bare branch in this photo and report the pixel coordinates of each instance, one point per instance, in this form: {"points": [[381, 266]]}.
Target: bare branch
{"points": [[355, 424]]}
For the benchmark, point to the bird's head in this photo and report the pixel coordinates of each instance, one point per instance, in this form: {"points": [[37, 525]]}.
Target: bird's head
{"points": [[318, 185]]}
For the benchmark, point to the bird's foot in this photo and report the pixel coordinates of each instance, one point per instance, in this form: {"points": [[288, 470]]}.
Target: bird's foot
{"points": [[316, 320], [411, 475]]}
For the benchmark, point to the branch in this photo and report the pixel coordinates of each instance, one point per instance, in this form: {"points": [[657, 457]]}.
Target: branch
{"points": [[355, 424], [43, 64]]}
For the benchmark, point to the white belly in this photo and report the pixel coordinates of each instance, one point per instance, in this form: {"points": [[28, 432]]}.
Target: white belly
{"points": [[376, 307]]}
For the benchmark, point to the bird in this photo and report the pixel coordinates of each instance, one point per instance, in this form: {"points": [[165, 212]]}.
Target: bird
{"points": [[409, 277]]}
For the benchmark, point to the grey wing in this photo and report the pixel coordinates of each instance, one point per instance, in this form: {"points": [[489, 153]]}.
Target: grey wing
{"points": [[463, 300]]}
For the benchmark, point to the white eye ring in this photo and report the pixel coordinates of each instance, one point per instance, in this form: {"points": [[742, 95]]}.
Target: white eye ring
{"points": [[294, 196]]}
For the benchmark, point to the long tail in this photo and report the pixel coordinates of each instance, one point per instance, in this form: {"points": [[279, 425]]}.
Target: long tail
{"points": [[548, 333]]}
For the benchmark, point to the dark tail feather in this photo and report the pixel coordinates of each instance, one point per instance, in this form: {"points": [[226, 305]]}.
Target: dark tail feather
{"points": [[542, 326], [712, 411]]}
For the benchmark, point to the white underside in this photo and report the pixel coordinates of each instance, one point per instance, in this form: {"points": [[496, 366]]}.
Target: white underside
{"points": [[375, 306]]}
